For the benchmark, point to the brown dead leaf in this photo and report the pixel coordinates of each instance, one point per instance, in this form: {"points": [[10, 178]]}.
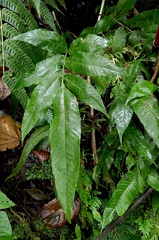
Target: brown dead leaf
{"points": [[36, 194], [41, 155], [54, 216], [9, 133], [4, 89]]}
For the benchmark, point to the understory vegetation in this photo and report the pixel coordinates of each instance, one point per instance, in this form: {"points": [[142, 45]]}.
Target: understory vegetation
{"points": [[90, 104]]}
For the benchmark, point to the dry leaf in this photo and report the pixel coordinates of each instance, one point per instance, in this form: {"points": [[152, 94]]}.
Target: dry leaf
{"points": [[54, 216], [41, 155], [9, 133], [4, 89], [36, 194]]}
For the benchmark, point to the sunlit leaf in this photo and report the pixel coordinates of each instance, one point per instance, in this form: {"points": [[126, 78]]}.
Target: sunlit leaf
{"points": [[9, 133], [65, 133], [45, 39], [5, 227]]}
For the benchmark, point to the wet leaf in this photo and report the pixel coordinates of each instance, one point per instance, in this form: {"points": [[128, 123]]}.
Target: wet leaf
{"points": [[36, 194], [54, 216], [9, 133]]}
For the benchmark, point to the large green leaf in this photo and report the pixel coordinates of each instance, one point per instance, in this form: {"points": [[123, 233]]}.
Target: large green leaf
{"points": [[121, 115], [138, 143], [84, 91], [42, 71], [119, 39], [48, 40], [153, 179], [5, 227], [146, 18], [147, 110], [92, 64], [39, 102], [34, 139], [65, 133], [92, 43], [5, 202], [122, 197], [141, 89]]}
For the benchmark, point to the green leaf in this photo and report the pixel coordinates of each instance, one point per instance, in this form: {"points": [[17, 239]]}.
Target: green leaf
{"points": [[65, 133], [122, 197], [136, 140], [78, 232], [92, 43], [141, 89], [84, 91], [153, 179], [5, 227], [119, 39], [47, 40], [147, 110], [37, 5], [155, 202], [34, 139], [91, 64], [42, 71], [39, 102], [121, 115], [5, 202], [146, 18]]}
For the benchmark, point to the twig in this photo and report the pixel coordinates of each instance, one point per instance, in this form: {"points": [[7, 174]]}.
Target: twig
{"points": [[120, 219], [156, 69], [93, 137]]}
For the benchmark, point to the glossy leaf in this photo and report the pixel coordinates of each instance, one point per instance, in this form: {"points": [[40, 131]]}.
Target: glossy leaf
{"points": [[34, 139], [65, 133], [122, 197], [5, 202], [37, 5], [42, 71], [91, 64], [41, 99], [119, 39], [141, 89], [5, 227], [153, 179], [121, 115], [47, 40], [84, 91], [92, 44], [136, 141], [147, 110]]}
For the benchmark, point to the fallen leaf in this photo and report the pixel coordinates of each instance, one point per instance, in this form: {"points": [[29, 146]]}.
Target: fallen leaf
{"points": [[36, 193], [9, 133], [54, 216], [4, 89], [41, 155]]}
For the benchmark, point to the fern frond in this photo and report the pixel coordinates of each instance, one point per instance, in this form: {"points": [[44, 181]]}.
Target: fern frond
{"points": [[24, 62], [53, 4], [46, 14], [20, 94], [8, 31], [19, 8], [14, 20]]}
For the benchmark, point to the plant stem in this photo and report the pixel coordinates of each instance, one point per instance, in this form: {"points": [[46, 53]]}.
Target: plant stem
{"points": [[130, 209], [156, 69]]}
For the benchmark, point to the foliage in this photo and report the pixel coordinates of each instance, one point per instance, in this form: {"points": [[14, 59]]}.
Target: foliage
{"points": [[50, 75]]}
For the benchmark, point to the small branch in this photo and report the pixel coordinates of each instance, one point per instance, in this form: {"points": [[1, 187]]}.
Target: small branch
{"points": [[101, 10], [121, 218], [156, 70]]}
